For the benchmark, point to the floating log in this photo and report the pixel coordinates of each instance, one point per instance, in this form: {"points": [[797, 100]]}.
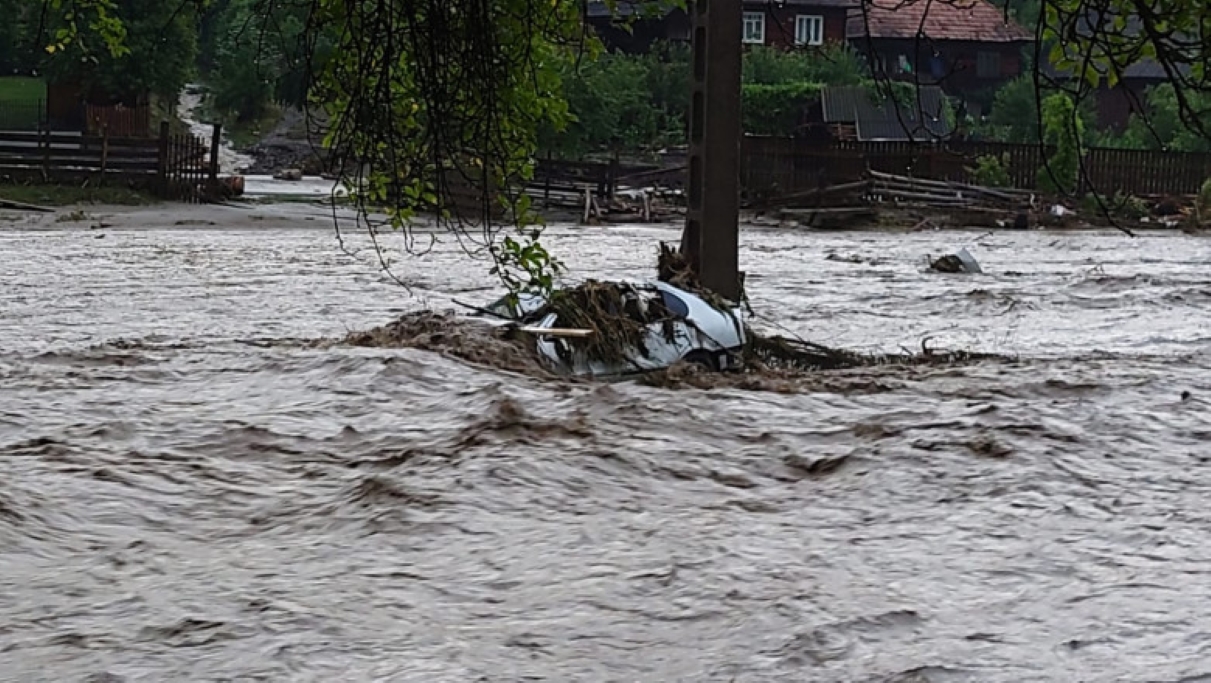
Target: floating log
{"points": [[949, 200], [1001, 193]]}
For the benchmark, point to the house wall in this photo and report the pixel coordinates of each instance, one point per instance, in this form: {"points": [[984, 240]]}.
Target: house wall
{"points": [[780, 22], [676, 26], [1116, 105], [955, 67]]}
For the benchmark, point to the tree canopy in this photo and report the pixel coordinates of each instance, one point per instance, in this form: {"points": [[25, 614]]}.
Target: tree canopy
{"points": [[125, 49]]}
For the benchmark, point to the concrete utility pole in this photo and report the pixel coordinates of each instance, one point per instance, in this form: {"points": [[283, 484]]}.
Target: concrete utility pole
{"points": [[711, 237]]}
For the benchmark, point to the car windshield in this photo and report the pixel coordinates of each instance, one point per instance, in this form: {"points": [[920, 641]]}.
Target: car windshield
{"points": [[675, 304]]}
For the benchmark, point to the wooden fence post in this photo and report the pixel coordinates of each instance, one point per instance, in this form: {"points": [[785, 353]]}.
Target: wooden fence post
{"points": [[104, 150], [162, 160], [45, 153], [215, 139]]}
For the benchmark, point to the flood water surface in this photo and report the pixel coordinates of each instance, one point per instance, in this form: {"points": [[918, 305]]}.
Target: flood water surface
{"points": [[193, 489]]}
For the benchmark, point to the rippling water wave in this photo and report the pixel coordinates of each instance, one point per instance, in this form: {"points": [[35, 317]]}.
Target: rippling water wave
{"points": [[199, 484]]}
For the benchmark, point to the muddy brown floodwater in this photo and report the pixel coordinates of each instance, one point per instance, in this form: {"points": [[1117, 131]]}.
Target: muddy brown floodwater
{"points": [[191, 491]]}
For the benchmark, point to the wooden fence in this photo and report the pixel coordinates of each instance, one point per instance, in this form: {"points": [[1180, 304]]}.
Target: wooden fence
{"points": [[774, 165], [118, 121], [560, 176], [173, 166]]}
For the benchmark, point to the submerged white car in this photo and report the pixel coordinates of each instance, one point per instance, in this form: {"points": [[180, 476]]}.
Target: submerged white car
{"points": [[693, 331]]}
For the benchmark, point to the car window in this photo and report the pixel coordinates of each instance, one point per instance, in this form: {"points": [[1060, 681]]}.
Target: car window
{"points": [[675, 304], [500, 307]]}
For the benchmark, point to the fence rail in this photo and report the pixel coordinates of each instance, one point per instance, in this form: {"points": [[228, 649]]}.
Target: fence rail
{"points": [[771, 165]]}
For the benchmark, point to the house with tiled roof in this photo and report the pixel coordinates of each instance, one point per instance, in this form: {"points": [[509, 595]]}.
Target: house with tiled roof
{"points": [[962, 46], [633, 26]]}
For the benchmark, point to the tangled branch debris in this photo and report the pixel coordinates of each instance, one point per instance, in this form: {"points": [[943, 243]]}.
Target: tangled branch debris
{"points": [[782, 354], [617, 313], [674, 268]]}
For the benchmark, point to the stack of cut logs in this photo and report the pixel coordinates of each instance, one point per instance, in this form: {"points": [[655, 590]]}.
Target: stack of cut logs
{"points": [[864, 201]]}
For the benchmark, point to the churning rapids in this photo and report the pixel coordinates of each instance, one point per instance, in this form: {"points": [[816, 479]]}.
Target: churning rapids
{"points": [[194, 490]]}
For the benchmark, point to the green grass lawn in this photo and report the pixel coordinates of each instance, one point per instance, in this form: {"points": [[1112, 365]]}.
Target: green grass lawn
{"points": [[21, 101], [22, 90]]}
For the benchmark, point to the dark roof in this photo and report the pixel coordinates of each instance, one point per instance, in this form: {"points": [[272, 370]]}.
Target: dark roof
{"points": [[973, 20], [657, 8], [878, 118]]}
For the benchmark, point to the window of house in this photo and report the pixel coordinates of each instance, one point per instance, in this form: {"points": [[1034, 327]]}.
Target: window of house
{"points": [[988, 64], [809, 30], [754, 28]]}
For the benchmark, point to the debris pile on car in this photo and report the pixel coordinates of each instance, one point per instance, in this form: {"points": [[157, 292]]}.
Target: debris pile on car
{"points": [[612, 329], [616, 317], [616, 328]]}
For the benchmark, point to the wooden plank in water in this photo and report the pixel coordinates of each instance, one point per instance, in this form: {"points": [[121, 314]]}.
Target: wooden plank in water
{"points": [[556, 331]]}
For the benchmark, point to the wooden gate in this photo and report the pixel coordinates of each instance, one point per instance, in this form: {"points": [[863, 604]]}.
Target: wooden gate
{"points": [[189, 167]]}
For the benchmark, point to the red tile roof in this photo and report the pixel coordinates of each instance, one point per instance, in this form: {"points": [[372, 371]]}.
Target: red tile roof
{"points": [[974, 20]]}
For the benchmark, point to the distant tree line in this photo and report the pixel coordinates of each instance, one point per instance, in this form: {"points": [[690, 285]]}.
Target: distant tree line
{"points": [[639, 103]]}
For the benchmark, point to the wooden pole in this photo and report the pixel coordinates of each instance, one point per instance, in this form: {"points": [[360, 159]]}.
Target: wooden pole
{"points": [[46, 153], [710, 239], [162, 159], [104, 149], [215, 139]]}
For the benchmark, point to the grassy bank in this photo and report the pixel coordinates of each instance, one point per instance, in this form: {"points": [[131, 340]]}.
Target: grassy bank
{"points": [[68, 195], [21, 90], [21, 102]]}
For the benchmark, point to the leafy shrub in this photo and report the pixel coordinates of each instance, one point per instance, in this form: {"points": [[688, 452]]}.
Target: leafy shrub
{"points": [[1121, 205], [1130, 206], [1204, 200], [1062, 131], [831, 64], [992, 171], [776, 109]]}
